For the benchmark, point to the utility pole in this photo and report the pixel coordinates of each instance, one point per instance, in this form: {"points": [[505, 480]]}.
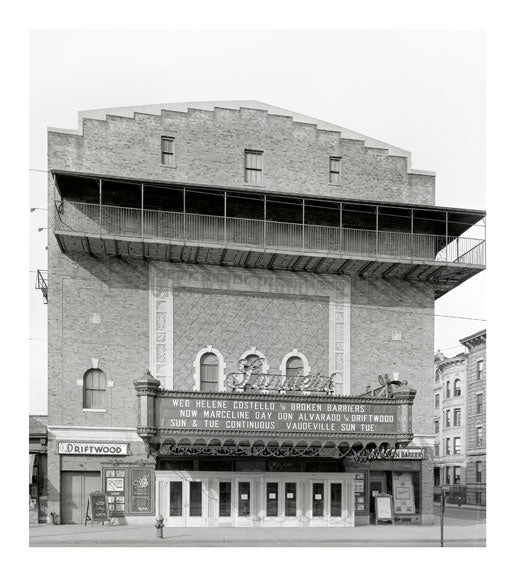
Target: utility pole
{"points": [[442, 510]]}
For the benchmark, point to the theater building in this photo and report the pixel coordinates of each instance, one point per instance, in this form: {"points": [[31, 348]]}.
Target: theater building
{"points": [[226, 282]]}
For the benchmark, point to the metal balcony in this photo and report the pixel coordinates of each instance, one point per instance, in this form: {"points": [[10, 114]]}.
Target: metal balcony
{"points": [[186, 237]]}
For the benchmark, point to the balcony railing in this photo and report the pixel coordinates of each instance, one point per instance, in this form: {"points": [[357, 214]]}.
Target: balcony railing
{"points": [[87, 218]]}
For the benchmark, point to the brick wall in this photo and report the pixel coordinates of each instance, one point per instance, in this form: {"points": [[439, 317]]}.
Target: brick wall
{"points": [[380, 307], [210, 150]]}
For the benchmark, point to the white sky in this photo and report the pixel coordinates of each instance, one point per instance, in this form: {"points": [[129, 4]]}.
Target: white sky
{"points": [[420, 90]]}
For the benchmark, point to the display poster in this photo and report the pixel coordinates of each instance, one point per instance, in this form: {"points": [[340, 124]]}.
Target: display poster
{"points": [[403, 496], [115, 491], [383, 507], [359, 492], [141, 482], [96, 509]]}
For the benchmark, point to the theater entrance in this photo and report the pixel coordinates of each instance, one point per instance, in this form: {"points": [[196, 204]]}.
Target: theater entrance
{"points": [[188, 498]]}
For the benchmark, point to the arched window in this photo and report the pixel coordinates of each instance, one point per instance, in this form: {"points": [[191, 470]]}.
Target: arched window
{"points": [[457, 387], [294, 366], [94, 391], [209, 369], [448, 389]]}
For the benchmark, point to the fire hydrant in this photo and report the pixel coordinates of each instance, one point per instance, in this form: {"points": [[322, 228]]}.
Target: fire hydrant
{"points": [[160, 521]]}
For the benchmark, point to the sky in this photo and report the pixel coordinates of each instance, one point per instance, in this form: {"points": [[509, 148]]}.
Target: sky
{"points": [[423, 91]]}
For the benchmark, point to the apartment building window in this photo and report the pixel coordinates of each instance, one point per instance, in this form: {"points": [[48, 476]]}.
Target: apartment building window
{"points": [[457, 475], [457, 445], [437, 450], [168, 150], [437, 426], [448, 389], [447, 446], [478, 471], [457, 417], [479, 436], [457, 387], [447, 474], [335, 170], [479, 403], [480, 369], [437, 400], [447, 418], [95, 384], [253, 167]]}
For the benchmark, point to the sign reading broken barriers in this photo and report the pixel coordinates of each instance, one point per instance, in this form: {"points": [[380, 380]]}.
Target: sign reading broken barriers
{"points": [[249, 378]]}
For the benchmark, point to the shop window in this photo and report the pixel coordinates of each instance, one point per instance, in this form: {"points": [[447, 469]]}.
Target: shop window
{"points": [[253, 167], [478, 472], [457, 445], [447, 418], [209, 369], [335, 170], [94, 389], [168, 151], [457, 475], [480, 369], [437, 400], [448, 389], [479, 436], [447, 446], [457, 387], [457, 417], [437, 426], [479, 403]]}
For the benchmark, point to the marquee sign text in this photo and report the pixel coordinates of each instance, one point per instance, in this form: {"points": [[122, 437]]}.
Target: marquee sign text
{"points": [[277, 415]]}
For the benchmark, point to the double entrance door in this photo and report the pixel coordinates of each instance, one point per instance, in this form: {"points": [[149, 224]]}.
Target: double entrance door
{"points": [[255, 499]]}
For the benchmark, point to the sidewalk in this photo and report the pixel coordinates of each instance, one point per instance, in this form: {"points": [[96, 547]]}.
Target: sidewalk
{"points": [[385, 535]]}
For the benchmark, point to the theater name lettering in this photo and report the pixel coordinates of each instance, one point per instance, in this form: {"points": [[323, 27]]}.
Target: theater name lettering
{"points": [[92, 449], [278, 415]]}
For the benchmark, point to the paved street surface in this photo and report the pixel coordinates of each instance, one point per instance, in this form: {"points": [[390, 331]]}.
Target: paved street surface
{"points": [[463, 527]]}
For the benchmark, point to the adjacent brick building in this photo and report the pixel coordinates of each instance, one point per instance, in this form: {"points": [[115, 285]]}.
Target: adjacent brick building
{"points": [[195, 239]]}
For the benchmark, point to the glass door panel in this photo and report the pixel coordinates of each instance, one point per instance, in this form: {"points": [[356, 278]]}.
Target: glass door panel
{"points": [[244, 499], [176, 499], [290, 499], [318, 499], [195, 499], [272, 499], [336, 500], [224, 502]]}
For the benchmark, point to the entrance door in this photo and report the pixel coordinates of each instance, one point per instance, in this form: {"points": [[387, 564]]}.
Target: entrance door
{"points": [[377, 485], [187, 503], [244, 499], [291, 503], [75, 490]]}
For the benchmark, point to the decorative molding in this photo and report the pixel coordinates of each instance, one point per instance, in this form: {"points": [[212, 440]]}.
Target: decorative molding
{"points": [[221, 367], [306, 368]]}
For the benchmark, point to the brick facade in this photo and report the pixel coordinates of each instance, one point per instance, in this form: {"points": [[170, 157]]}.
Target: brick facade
{"points": [[210, 149], [105, 308]]}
